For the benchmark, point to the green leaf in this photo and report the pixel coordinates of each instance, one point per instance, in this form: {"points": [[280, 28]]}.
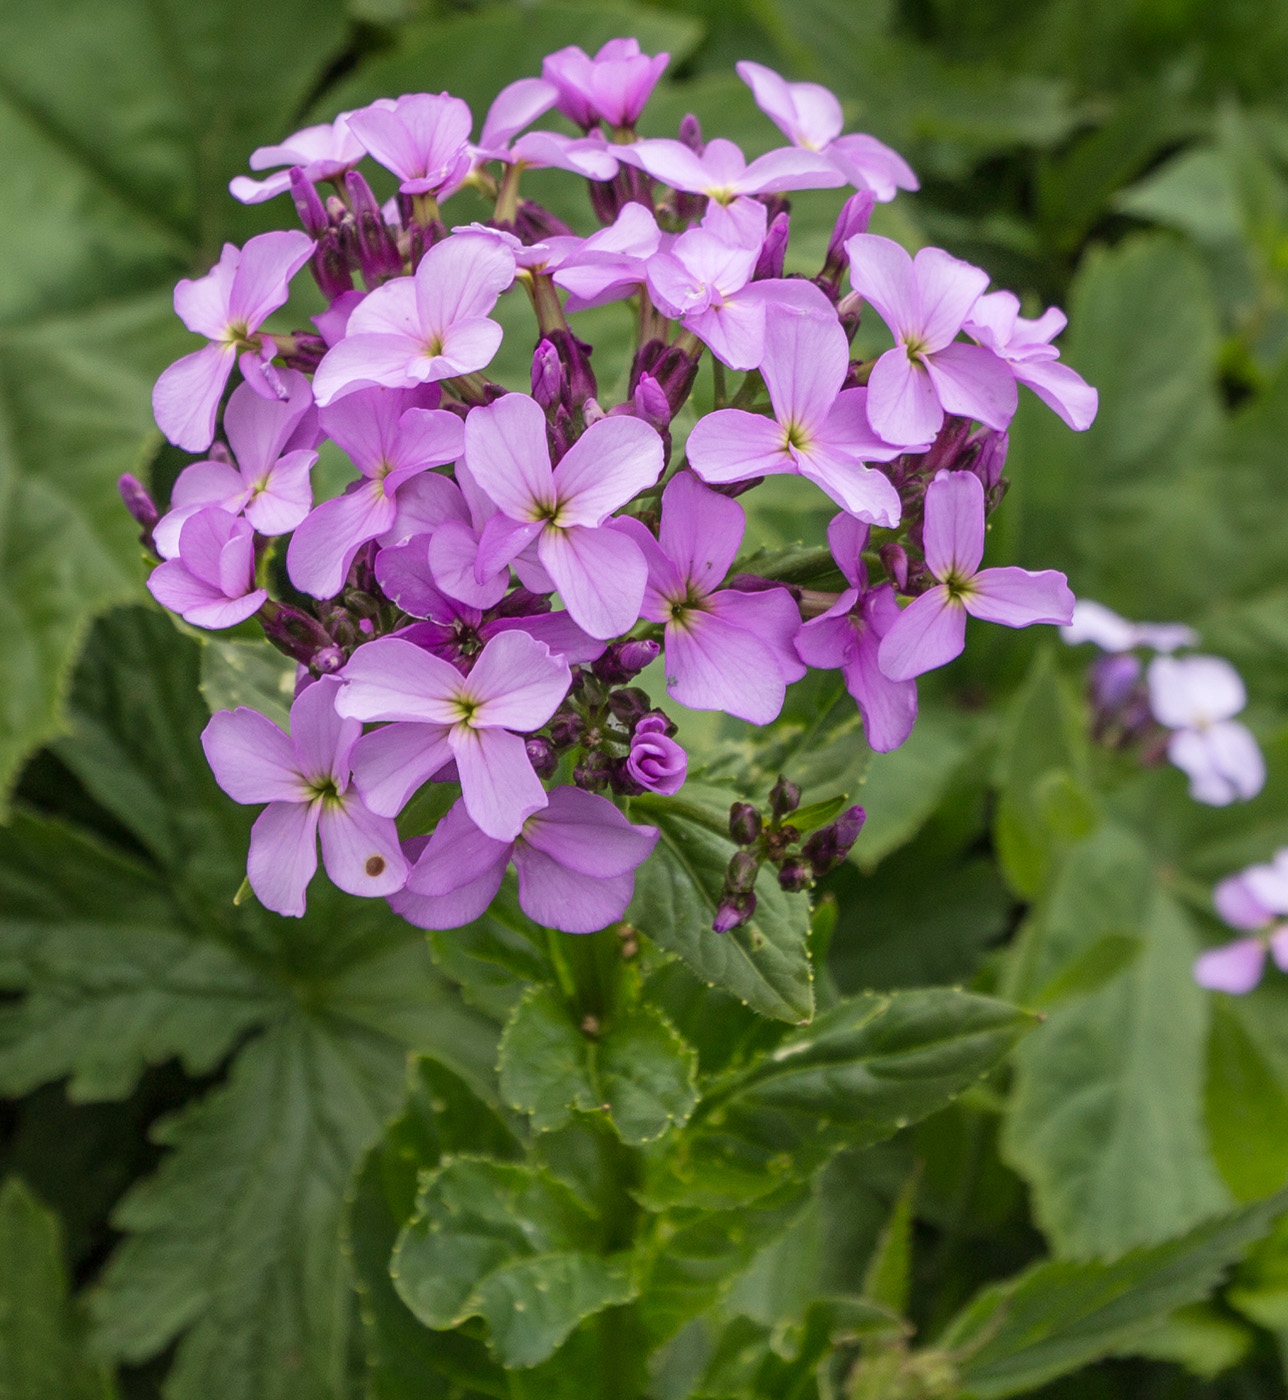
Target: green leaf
{"points": [[42, 1339], [247, 673], [1246, 1108], [765, 963], [888, 1280], [862, 1071], [512, 1245], [1059, 1316], [1203, 1338], [636, 1067], [1091, 969]]}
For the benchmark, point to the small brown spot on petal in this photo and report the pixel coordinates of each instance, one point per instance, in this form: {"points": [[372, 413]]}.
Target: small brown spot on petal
{"points": [[375, 864]]}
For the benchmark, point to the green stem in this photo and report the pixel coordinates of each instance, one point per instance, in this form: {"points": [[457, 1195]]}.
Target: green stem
{"points": [[718, 373]]}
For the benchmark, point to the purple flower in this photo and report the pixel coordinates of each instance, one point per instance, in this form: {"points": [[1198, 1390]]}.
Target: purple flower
{"points": [[610, 264], [414, 330], [848, 635], [422, 138], [1236, 967], [390, 440], [1196, 697], [925, 301], [322, 152], [228, 305], [818, 430], [725, 649], [212, 581], [561, 512], [272, 442], [932, 631], [1093, 622], [721, 172], [304, 778], [1248, 900], [440, 715], [575, 859], [516, 106], [612, 87], [656, 762], [810, 117]]}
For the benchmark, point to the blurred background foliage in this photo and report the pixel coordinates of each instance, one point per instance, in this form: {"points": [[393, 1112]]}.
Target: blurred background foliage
{"points": [[192, 1085]]}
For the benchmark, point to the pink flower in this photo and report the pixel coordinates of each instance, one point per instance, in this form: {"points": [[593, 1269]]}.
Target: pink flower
{"points": [[415, 330], [228, 305], [423, 139], [1248, 900], [925, 301], [575, 860], [322, 152], [932, 631], [515, 107], [518, 106], [721, 172], [212, 581], [1197, 698], [612, 87], [656, 762], [818, 431], [610, 264], [441, 716], [304, 778]]}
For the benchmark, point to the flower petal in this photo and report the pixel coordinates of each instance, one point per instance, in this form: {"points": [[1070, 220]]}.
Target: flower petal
{"points": [[251, 758], [557, 898], [1223, 762], [498, 784], [954, 528], [186, 398], [507, 455], [393, 679], [973, 382], [882, 274], [1018, 598], [390, 763], [928, 634], [587, 834], [1235, 968], [732, 445], [360, 850], [947, 288], [328, 539], [600, 574], [1194, 690], [264, 272], [701, 531], [460, 279], [1061, 389], [806, 357], [713, 665], [517, 683], [611, 463], [902, 405], [283, 855], [457, 854]]}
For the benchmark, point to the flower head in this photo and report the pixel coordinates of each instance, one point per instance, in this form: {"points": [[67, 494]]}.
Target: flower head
{"points": [[1197, 697], [211, 580], [422, 138], [323, 152], [612, 87]]}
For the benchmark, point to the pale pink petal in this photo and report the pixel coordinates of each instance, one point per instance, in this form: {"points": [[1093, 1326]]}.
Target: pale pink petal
{"points": [[556, 629], [847, 429], [590, 156], [903, 406], [283, 855], [847, 538], [426, 438], [286, 496], [259, 429], [1095, 623], [1267, 885], [1018, 598], [390, 763], [500, 543], [672, 162], [701, 531], [391, 309], [788, 169], [517, 105], [365, 426], [947, 288], [393, 679], [237, 562], [1061, 389], [734, 331], [324, 545], [665, 581], [498, 784], [869, 164], [201, 303], [557, 898], [827, 641], [460, 279], [587, 834], [456, 854], [794, 292], [611, 463], [453, 551], [468, 345], [889, 708], [251, 758], [1223, 762], [185, 399], [928, 634], [674, 287], [770, 615], [363, 361], [264, 272], [248, 191], [713, 665], [360, 850], [424, 503], [443, 911], [1234, 969], [806, 357], [198, 602], [882, 274], [806, 113], [974, 383], [208, 484], [1194, 690], [323, 739], [600, 575], [953, 537], [507, 455], [516, 683], [1237, 902], [863, 491], [732, 445]]}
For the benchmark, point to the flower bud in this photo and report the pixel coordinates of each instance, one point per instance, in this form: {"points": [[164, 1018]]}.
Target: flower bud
{"points": [[745, 823], [306, 352], [651, 404], [308, 205], [327, 661], [895, 559], [691, 134], [1113, 679], [784, 797], [830, 845], [733, 911], [623, 661], [854, 217], [566, 729], [657, 722], [656, 763], [574, 356], [793, 875], [548, 380], [378, 254], [594, 771], [628, 704], [542, 756], [138, 502], [533, 224], [773, 251], [741, 872], [674, 370], [990, 457], [294, 632]]}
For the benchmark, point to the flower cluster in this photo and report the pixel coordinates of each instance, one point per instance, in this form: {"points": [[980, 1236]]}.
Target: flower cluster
{"points": [[474, 607], [1255, 901], [1180, 706]]}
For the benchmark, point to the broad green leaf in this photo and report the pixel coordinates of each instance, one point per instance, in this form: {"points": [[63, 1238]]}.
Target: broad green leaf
{"points": [[247, 673], [1246, 1108], [862, 1071], [1192, 192], [42, 1338], [512, 1245], [765, 963], [1106, 1119], [1059, 1316], [1203, 1337], [636, 1067], [888, 1279]]}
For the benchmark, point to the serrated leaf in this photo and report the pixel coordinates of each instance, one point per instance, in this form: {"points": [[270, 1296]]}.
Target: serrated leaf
{"points": [[42, 1339], [765, 963], [510, 1244], [1059, 1316]]}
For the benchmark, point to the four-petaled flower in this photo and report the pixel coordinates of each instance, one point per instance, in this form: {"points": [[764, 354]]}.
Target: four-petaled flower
{"points": [[1197, 697]]}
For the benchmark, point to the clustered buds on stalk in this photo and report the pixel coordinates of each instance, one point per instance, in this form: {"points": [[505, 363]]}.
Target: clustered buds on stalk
{"points": [[477, 605]]}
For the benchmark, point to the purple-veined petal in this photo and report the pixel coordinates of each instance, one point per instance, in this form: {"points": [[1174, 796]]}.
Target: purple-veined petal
{"points": [[445, 911], [324, 545], [954, 525], [186, 398], [806, 357], [828, 641], [732, 445], [1236, 968], [251, 758], [1061, 389], [611, 463], [713, 665], [264, 272], [587, 834], [1018, 598], [665, 581], [360, 850], [502, 540], [391, 762], [498, 784], [903, 406], [600, 575], [364, 426], [457, 854], [393, 679], [557, 630], [259, 429], [516, 683], [928, 634], [198, 602], [284, 499], [323, 739], [889, 708], [847, 538], [882, 274], [947, 288], [558, 898], [468, 345], [701, 531], [974, 383], [283, 855], [424, 503], [507, 455], [863, 491], [770, 615], [847, 429]]}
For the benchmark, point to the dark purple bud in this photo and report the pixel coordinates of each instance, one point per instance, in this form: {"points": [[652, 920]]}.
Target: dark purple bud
{"points": [[308, 205], [745, 823], [533, 224], [674, 370], [651, 404], [691, 134], [784, 797], [138, 502], [947, 447], [331, 266], [548, 381], [793, 874], [740, 875], [990, 458], [378, 254], [1113, 679], [574, 356], [623, 661], [830, 845], [895, 559], [566, 729], [733, 911], [773, 251], [542, 756], [521, 602], [593, 772], [306, 352], [854, 217], [605, 199], [735, 488], [628, 704], [848, 825], [296, 633]]}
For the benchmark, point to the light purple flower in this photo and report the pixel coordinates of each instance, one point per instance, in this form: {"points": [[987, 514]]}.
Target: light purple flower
{"points": [[272, 442], [211, 582], [422, 138], [610, 264], [575, 860], [322, 152], [415, 330], [848, 635], [612, 87], [390, 441], [228, 305], [818, 431], [561, 512], [1250, 900], [1196, 697], [721, 172], [932, 631], [304, 778], [1236, 968], [656, 762], [810, 117], [440, 715], [725, 649], [995, 322], [1095, 623], [925, 301], [515, 107]]}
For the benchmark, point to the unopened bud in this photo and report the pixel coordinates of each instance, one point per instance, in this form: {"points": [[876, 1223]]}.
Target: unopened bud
{"points": [[830, 845], [566, 729], [594, 771], [574, 356], [659, 722], [623, 661], [784, 797], [137, 501], [855, 215], [740, 875], [895, 559], [773, 251], [793, 875], [651, 403], [308, 205], [628, 704], [548, 380], [327, 661], [691, 134], [378, 254], [991, 457], [533, 224], [733, 911], [542, 756], [1113, 679], [745, 823]]}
